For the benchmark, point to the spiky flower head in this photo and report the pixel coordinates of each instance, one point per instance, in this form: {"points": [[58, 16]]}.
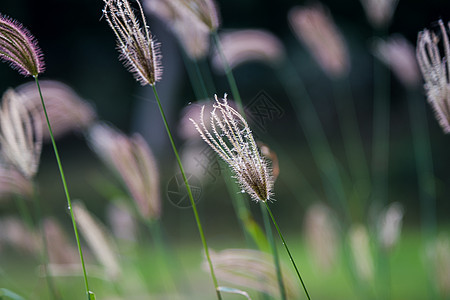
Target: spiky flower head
{"points": [[192, 33], [67, 110], [315, 28], [12, 182], [99, 240], [252, 269], [398, 53], [231, 138], [435, 70], [20, 134], [19, 48], [138, 50], [133, 160], [204, 10], [241, 46], [379, 12]]}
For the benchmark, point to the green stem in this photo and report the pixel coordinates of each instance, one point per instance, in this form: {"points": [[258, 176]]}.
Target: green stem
{"points": [[197, 86], [354, 148], [66, 190], [161, 249], [44, 250], [191, 198], [381, 121], [287, 249], [229, 73], [276, 258], [315, 136]]}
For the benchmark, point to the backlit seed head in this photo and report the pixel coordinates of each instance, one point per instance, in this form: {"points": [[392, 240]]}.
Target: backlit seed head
{"points": [[379, 12], [20, 134], [252, 269], [19, 48], [67, 111], [192, 33], [314, 26], [398, 54], [242, 46], [132, 159], [435, 70], [138, 50], [231, 138]]}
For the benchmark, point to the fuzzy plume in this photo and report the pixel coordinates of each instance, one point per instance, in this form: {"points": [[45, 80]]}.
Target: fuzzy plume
{"points": [[19, 48], [435, 70], [231, 138], [138, 50], [68, 111], [398, 54], [20, 134], [191, 32], [252, 269], [241, 46], [133, 160], [314, 26]]}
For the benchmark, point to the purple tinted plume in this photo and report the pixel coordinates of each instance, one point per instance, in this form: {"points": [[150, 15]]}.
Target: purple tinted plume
{"points": [[19, 48]]}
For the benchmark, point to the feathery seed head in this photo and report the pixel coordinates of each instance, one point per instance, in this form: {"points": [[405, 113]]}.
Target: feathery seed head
{"points": [[20, 134], [133, 160], [191, 32], [398, 54], [19, 48], [314, 26], [231, 138], [435, 70], [138, 50], [252, 269], [99, 240], [241, 46], [379, 12], [12, 182], [204, 10], [67, 110]]}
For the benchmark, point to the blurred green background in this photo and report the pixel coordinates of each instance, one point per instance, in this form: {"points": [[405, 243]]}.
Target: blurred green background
{"points": [[79, 50]]}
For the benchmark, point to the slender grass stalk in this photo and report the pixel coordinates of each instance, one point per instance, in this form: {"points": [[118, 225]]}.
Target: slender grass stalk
{"points": [[191, 198], [354, 148], [194, 78], [208, 78], [276, 259], [237, 97], [44, 251], [229, 74], [315, 135], [24, 211], [63, 179], [287, 250], [381, 123], [424, 163], [162, 250]]}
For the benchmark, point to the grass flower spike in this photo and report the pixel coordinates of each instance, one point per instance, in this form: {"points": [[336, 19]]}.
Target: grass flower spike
{"points": [[133, 160], [20, 135], [136, 45], [435, 70], [231, 138], [19, 48]]}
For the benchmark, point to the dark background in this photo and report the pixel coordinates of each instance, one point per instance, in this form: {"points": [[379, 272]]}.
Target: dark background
{"points": [[79, 49]]}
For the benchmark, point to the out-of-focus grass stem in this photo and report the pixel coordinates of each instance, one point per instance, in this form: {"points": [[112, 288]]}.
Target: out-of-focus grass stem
{"points": [[287, 249], [66, 190], [191, 198], [276, 259], [229, 74], [317, 140], [354, 148]]}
